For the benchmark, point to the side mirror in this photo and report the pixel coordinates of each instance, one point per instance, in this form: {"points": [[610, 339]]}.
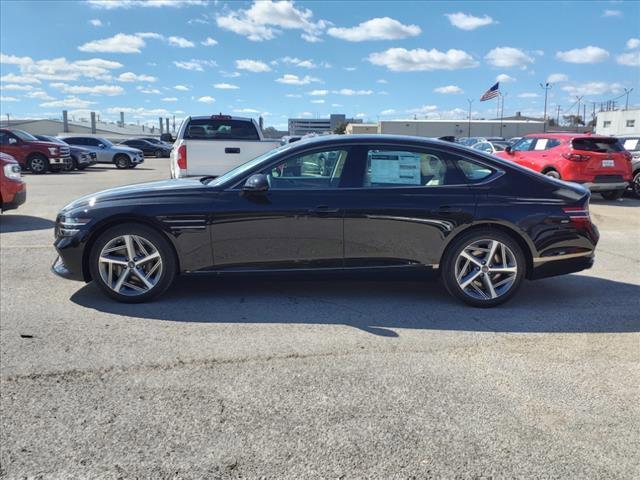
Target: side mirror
{"points": [[257, 183], [12, 141], [101, 145], [508, 149]]}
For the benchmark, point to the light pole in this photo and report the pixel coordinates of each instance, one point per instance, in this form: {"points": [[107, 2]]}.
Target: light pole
{"points": [[500, 95], [627, 92], [470, 100], [546, 88]]}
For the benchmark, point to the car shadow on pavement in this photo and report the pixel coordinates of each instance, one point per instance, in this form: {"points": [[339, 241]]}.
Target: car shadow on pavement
{"points": [[626, 201], [569, 304], [10, 223]]}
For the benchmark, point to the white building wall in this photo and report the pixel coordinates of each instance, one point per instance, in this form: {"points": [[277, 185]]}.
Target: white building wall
{"points": [[618, 122], [460, 128]]}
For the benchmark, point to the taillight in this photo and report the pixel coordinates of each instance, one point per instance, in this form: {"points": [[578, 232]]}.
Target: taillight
{"points": [[579, 216], [182, 157], [576, 157]]}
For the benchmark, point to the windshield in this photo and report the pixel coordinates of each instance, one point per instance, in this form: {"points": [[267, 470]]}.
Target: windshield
{"points": [[46, 138], [245, 167], [22, 135]]}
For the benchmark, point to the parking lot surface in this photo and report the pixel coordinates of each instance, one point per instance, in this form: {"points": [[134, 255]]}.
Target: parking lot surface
{"points": [[314, 378]]}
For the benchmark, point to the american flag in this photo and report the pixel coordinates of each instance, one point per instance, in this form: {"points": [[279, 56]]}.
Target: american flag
{"points": [[491, 93]]}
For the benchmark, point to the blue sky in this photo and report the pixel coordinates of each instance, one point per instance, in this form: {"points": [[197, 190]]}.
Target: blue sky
{"points": [[375, 60]]}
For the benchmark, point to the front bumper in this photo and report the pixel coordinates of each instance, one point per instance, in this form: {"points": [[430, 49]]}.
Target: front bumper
{"points": [[59, 160], [137, 159], [19, 197], [62, 270]]}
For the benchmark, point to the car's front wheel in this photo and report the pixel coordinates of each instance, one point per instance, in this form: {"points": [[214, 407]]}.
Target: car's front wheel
{"points": [[635, 184], [121, 161], [483, 268], [612, 194], [132, 263], [38, 164]]}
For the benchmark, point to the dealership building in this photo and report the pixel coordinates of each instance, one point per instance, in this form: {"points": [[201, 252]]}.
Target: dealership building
{"points": [[618, 122], [304, 126]]}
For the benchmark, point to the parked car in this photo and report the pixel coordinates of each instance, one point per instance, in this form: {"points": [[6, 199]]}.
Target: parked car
{"points": [[107, 152], [632, 145], [402, 203], [598, 162], [491, 146], [148, 148], [157, 141], [514, 140], [81, 158], [13, 190], [33, 154], [290, 139], [471, 141], [215, 144]]}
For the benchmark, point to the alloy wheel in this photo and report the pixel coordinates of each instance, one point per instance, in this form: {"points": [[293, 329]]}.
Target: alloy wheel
{"points": [[37, 165], [130, 265], [486, 269], [636, 185]]}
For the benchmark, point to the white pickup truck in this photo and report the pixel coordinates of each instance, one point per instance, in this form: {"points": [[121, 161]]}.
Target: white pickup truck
{"points": [[215, 144]]}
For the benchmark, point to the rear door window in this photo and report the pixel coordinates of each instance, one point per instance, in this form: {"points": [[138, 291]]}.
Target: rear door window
{"points": [[221, 129], [599, 145]]}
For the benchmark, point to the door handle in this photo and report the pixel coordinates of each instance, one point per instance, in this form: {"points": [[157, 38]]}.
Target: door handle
{"points": [[448, 209], [232, 150], [323, 209]]}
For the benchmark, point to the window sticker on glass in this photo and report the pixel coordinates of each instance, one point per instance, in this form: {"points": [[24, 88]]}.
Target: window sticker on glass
{"points": [[541, 144], [631, 144], [394, 167]]}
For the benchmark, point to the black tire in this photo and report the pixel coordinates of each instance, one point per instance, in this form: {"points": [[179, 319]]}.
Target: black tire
{"points": [[612, 194], [167, 256], [133, 165], [453, 252], [552, 174], [82, 166], [38, 164], [121, 161], [73, 165], [635, 184], [158, 153]]}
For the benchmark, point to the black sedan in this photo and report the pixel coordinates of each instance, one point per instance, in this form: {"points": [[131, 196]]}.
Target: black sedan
{"points": [[357, 202], [148, 148]]}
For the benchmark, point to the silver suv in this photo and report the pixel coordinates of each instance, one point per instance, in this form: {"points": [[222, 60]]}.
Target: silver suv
{"points": [[107, 152]]}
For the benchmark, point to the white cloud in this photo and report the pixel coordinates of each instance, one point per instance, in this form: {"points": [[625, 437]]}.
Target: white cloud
{"points": [[318, 100], [361, 115], [170, 99], [180, 42], [389, 111], [109, 90], [403, 60], [58, 69], [148, 91], [15, 86], [293, 95], [132, 77], [247, 110], [207, 99], [588, 54], [153, 35], [350, 92], [119, 43], [40, 95], [318, 93], [454, 89], [423, 109], [69, 102], [209, 42], [4, 98], [194, 64], [504, 78], [631, 59], [557, 78], [465, 21], [113, 4], [291, 79], [310, 64], [229, 74], [139, 112], [382, 80], [96, 22], [182, 88], [266, 19], [593, 88], [384, 28], [252, 65], [528, 95], [350, 69], [337, 105], [18, 78], [507, 57], [633, 43], [226, 86], [611, 13]]}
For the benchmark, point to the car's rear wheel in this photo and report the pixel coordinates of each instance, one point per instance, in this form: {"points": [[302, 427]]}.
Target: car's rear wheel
{"points": [[483, 268], [635, 184], [612, 194], [38, 164], [132, 263], [72, 165], [158, 153], [121, 161], [552, 174]]}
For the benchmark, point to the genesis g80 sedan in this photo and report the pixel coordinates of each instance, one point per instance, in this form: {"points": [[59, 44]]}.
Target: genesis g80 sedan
{"points": [[357, 202]]}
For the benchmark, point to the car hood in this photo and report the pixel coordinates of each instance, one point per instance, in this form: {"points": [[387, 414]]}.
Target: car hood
{"points": [[124, 148], [161, 188]]}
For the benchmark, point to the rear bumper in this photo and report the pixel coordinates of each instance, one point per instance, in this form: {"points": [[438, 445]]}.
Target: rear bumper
{"points": [[603, 187], [561, 265]]}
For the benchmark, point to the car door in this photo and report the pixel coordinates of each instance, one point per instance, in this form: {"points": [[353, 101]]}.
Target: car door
{"points": [[12, 145], [521, 152], [408, 202], [103, 154], [297, 223]]}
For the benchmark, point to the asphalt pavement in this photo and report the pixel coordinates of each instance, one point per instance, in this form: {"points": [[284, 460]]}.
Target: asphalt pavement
{"points": [[330, 377]]}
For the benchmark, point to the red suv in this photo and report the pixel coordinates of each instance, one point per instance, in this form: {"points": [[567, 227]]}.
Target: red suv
{"points": [[32, 154], [599, 163], [13, 191]]}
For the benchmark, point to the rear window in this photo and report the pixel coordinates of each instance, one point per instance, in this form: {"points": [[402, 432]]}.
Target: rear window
{"points": [[632, 144], [600, 145], [221, 129]]}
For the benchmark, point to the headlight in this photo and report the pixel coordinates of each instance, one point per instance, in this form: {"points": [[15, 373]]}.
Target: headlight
{"points": [[12, 171], [53, 150], [69, 226]]}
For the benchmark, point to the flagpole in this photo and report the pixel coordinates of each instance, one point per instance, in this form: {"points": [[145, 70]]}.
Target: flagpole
{"points": [[502, 113]]}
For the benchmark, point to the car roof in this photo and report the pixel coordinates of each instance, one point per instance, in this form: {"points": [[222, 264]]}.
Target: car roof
{"points": [[225, 117], [370, 138], [565, 135]]}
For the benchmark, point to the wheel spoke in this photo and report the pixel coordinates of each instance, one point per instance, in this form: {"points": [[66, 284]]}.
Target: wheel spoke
{"points": [[121, 279], [488, 284], [463, 269], [471, 258], [492, 251], [147, 258], [503, 270], [110, 260], [469, 280], [142, 277], [141, 246], [131, 251]]}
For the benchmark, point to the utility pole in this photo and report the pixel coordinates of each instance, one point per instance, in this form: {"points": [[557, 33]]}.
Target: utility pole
{"points": [[579, 99], [626, 102], [470, 100], [584, 114], [558, 117], [8, 120], [546, 88]]}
